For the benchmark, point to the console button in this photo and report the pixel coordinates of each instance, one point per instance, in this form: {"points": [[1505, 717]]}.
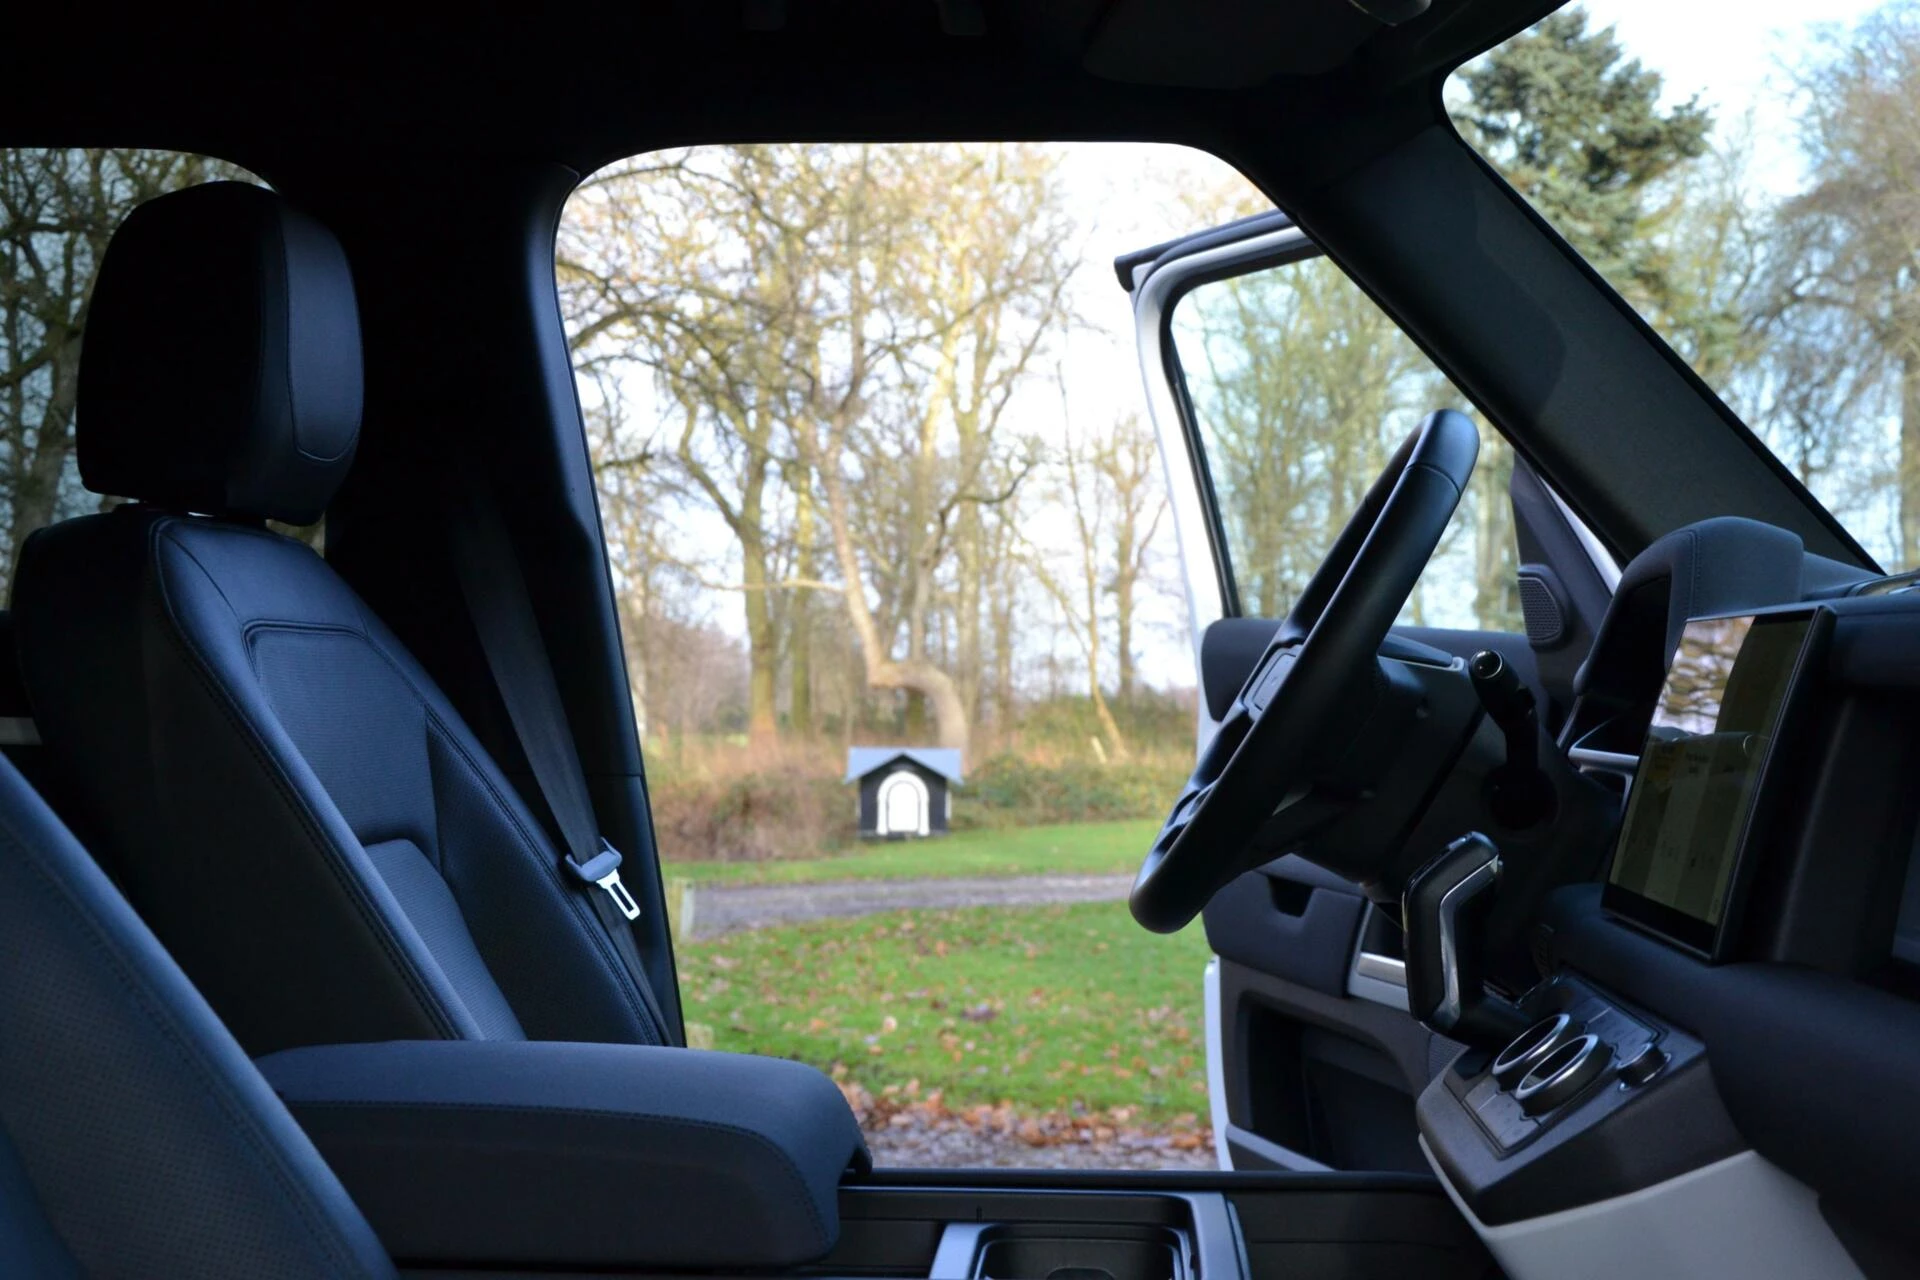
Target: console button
{"points": [[1561, 1075], [1642, 1066]]}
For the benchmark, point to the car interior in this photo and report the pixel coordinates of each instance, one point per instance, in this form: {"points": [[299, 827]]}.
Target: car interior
{"points": [[335, 938]]}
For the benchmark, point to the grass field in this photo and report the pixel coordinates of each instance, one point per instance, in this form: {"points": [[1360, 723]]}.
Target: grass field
{"points": [[1047, 1008], [1085, 848]]}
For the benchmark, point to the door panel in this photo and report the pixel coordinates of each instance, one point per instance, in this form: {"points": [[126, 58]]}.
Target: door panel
{"points": [[1289, 919], [1316, 1073], [1320, 1064], [1314, 1080]]}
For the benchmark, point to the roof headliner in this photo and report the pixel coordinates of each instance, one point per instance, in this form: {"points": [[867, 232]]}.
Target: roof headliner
{"points": [[391, 85]]}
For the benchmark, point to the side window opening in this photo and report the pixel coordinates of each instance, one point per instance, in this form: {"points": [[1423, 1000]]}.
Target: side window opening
{"points": [[1301, 388], [888, 536]]}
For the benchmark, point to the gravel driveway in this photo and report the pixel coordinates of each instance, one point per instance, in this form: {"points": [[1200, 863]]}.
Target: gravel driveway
{"points": [[723, 909], [910, 1143]]}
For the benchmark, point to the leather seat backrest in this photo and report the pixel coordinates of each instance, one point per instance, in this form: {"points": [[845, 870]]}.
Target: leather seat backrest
{"points": [[136, 1139], [281, 790]]}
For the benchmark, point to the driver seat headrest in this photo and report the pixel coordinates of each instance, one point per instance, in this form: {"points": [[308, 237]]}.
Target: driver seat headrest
{"points": [[221, 368]]}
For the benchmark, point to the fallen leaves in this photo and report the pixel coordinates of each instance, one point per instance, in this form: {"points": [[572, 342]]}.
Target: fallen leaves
{"points": [[896, 1108], [1017, 1007]]}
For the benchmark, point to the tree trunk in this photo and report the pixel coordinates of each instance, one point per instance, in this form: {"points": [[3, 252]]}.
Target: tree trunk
{"points": [[800, 623], [1494, 582], [1909, 463], [1101, 711], [1104, 713], [762, 643], [1003, 653], [970, 571], [882, 671], [632, 604], [36, 488], [1123, 587]]}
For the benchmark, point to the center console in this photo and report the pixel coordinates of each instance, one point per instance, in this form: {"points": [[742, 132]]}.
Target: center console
{"points": [[1595, 1099], [1707, 1077], [1087, 1225], [517, 1158]]}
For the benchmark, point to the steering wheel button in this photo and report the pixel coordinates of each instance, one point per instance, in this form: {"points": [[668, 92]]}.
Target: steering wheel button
{"points": [[1270, 679]]}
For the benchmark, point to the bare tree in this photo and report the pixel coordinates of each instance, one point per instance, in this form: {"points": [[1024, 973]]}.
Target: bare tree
{"points": [[954, 264], [700, 269], [1127, 461], [1078, 487], [1849, 259]]}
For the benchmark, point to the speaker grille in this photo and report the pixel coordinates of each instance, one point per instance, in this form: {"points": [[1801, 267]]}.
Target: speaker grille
{"points": [[1540, 607]]}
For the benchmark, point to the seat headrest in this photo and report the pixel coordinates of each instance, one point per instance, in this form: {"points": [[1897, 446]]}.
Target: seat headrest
{"points": [[220, 370]]}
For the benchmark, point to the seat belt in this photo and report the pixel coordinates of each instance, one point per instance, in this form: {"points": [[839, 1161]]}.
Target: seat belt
{"points": [[496, 594]]}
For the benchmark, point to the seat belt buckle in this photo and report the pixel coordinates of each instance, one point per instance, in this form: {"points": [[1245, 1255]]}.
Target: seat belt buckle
{"points": [[603, 870]]}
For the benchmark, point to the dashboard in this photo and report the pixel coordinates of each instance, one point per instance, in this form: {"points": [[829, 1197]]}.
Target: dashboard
{"points": [[1718, 1075]]}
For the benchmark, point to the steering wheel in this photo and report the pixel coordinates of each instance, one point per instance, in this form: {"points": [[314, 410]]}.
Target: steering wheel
{"points": [[1285, 723]]}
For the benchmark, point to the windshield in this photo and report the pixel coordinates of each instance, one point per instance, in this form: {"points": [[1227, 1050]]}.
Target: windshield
{"points": [[1749, 181]]}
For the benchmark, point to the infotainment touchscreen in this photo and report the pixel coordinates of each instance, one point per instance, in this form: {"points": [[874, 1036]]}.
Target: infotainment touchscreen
{"points": [[1676, 867]]}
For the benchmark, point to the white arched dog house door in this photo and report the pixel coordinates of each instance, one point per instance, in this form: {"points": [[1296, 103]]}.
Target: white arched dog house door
{"points": [[904, 805]]}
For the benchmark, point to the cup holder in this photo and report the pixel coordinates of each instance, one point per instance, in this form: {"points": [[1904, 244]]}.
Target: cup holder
{"points": [[1563, 1074], [1530, 1047], [1116, 1252]]}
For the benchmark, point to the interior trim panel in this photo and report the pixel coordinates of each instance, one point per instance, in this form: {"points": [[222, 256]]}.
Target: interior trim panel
{"points": [[1736, 1217]]}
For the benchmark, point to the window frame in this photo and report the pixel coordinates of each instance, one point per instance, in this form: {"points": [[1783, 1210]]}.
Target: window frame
{"points": [[1160, 285]]}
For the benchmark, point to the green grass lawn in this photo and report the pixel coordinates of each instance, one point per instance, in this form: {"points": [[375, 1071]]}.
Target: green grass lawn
{"points": [[1084, 848], [1043, 1007]]}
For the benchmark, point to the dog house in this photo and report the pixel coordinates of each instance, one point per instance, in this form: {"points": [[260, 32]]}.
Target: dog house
{"points": [[905, 792]]}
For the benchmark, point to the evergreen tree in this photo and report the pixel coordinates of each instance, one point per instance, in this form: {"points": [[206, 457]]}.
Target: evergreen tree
{"points": [[1578, 129]]}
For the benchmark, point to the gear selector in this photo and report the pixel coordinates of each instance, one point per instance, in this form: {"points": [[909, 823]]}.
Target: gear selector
{"points": [[1443, 910]]}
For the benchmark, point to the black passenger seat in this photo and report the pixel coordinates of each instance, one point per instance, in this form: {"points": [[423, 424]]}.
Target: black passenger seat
{"points": [[283, 792]]}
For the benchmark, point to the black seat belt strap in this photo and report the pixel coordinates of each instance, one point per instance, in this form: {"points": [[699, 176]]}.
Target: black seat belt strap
{"points": [[496, 594]]}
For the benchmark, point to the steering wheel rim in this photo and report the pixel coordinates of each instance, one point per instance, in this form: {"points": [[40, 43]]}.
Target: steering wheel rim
{"points": [[1296, 693]]}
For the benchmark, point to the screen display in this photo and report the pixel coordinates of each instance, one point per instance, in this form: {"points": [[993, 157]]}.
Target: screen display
{"points": [[1700, 772]]}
